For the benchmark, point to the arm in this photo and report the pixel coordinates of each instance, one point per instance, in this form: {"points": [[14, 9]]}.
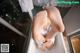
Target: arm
{"points": [[57, 25], [37, 24], [55, 17]]}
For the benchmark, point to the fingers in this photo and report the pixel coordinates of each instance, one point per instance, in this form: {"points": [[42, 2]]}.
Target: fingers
{"points": [[44, 44], [47, 45], [40, 39]]}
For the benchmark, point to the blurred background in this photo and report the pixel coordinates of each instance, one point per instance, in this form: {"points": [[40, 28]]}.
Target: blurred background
{"points": [[16, 17]]}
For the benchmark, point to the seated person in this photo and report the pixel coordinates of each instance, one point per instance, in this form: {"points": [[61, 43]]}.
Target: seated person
{"points": [[44, 26]]}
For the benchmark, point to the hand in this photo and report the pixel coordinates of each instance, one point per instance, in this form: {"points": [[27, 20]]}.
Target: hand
{"points": [[38, 25], [48, 44], [39, 39]]}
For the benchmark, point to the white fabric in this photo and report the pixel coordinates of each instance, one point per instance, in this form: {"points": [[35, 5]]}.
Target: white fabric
{"points": [[53, 3], [45, 31], [44, 2], [58, 46], [26, 5], [40, 2]]}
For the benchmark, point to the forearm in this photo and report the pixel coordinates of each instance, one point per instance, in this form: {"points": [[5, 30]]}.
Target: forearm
{"points": [[56, 20]]}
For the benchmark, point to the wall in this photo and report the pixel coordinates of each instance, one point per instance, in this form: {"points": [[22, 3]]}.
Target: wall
{"points": [[72, 19]]}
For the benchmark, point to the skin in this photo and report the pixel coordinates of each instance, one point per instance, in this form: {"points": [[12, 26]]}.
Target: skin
{"points": [[56, 20], [50, 15]]}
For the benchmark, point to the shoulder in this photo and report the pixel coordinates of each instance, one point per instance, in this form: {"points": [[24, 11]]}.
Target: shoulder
{"points": [[40, 17]]}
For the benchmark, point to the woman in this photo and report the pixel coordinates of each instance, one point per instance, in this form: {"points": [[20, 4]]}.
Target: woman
{"points": [[45, 25]]}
